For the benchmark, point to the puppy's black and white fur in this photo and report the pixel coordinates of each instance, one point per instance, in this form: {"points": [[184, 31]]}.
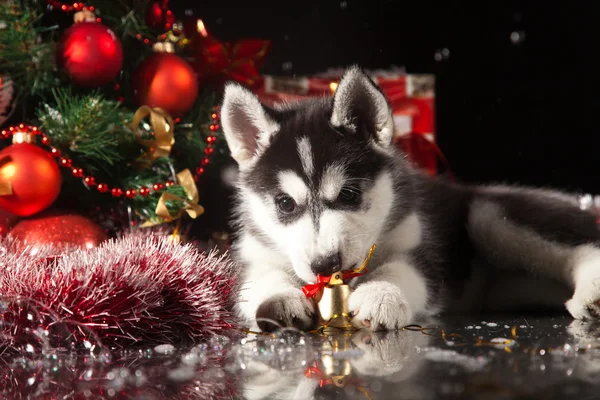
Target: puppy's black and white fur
{"points": [[320, 182]]}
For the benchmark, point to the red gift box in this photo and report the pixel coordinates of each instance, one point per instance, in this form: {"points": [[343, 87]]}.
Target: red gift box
{"points": [[411, 96]]}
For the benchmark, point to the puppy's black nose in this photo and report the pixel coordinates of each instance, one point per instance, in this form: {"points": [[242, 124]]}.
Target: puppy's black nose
{"points": [[326, 265]]}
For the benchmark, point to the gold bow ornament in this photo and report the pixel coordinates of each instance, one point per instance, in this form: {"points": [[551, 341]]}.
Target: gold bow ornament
{"points": [[192, 208], [163, 129]]}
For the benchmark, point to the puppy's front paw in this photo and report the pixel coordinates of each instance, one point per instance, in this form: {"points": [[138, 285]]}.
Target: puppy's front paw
{"points": [[290, 309], [379, 306], [585, 303]]}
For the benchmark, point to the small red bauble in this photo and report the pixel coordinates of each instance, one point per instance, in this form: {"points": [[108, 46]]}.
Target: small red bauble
{"points": [[167, 81], [90, 53], [59, 229], [159, 16], [34, 178]]}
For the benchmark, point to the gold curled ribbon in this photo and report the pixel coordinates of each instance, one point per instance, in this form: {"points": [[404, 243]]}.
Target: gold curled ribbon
{"points": [[192, 208], [366, 262], [163, 128], [5, 187]]}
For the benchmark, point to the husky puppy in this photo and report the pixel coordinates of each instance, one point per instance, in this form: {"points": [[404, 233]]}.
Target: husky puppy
{"points": [[320, 182]]}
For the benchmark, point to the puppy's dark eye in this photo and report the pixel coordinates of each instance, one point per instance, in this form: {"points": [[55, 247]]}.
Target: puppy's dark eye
{"points": [[349, 195], [285, 203]]}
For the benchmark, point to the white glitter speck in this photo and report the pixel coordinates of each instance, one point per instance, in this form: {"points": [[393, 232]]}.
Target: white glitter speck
{"points": [[164, 349]]}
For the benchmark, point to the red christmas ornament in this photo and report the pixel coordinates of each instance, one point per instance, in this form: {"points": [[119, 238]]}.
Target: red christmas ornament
{"points": [[159, 16], [59, 229], [90, 53], [166, 81], [30, 179]]}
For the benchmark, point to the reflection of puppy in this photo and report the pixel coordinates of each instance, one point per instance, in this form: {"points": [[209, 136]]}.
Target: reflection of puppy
{"points": [[585, 336], [263, 382], [280, 376], [585, 333], [387, 356]]}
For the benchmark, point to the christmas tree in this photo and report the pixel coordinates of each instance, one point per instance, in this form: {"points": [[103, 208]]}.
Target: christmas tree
{"points": [[122, 96]]}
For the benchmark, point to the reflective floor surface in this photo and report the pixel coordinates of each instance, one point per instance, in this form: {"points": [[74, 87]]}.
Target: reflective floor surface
{"points": [[501, 357]]}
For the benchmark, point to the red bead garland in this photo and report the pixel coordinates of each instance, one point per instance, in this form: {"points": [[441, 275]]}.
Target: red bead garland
{"points": [[90, 181], [208, 150], [71, 7]]}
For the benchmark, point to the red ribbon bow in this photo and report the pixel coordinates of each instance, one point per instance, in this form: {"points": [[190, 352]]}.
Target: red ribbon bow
{"points": [[315, 372], [311, 289]]}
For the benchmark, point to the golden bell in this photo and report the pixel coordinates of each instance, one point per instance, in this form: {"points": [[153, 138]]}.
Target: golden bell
{"points": [[333, 305]]}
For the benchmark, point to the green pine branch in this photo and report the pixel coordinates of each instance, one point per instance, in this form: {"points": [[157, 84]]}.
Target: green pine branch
{"points": [[125, 17], [91, 129], [26, 49]]}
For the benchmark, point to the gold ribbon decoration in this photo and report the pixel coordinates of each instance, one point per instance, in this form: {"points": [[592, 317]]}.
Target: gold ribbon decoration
{"points": [[163, 128], [5, 187], [192, 208]]}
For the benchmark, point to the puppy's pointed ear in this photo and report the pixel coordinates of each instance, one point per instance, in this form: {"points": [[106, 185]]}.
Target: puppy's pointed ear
{"points": [[246, 124], [360, 107]]}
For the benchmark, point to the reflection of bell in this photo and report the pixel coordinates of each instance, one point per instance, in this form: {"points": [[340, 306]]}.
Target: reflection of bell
{"points": [[334, 368], [333, 305]]}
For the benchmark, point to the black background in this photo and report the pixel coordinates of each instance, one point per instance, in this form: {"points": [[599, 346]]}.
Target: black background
{"points": [[520, 112]]}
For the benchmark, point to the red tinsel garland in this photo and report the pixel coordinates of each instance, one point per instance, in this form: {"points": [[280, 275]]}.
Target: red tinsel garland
{"points": [[137, 289]]}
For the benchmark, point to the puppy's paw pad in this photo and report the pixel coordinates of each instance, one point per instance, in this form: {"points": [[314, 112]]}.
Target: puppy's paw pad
{"points": [[379, 306], [286, 310]]}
